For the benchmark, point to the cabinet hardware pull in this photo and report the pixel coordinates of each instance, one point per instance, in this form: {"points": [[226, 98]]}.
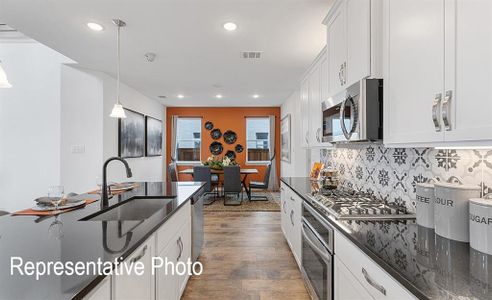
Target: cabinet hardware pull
{"points": [[291, 217], [435, 108], [307, 140], [284, 207], [344, 73], [139, 257], [292, 198], [180, 245], [445, 110], [340, 74], [318, 131], [376, 285]]}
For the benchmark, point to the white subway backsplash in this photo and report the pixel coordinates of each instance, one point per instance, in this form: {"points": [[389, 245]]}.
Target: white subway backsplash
{"points": [[393, 173]]}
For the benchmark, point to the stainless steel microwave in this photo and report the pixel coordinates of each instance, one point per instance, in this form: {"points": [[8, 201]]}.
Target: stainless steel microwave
{"points": [[356, 114]]}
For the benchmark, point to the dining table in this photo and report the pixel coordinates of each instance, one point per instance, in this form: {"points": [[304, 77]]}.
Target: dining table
{"points": [[243, 171]]}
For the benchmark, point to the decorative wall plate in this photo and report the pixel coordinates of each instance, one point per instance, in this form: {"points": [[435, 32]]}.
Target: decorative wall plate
{"points": [[239, 148], [209, 125], [216, 148], [230, 137], [216, 133], [231, 154]]}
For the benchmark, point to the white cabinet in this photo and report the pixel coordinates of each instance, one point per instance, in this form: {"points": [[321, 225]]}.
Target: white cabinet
{"points": [[304, 120], [337, 46], [133, 285], [352, 42], [438, 70], [174, 245], [171, 283], [315, 106], [346, 286], [468, 70], [291, 214], [414, 69], [373, 279], [102, 291]]}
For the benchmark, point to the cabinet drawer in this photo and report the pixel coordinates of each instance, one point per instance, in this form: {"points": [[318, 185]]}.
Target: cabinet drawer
{"points": [[374, 279], [168, 230]]}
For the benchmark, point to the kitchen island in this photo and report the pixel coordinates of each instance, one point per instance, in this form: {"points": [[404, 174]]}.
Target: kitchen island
{"points": [[400, 256], [75, 240]]}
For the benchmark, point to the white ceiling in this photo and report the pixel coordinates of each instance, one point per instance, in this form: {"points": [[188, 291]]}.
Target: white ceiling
{"points": [[194, 53]]}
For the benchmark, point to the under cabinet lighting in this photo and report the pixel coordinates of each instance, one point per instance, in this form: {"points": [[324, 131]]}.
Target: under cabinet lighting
{"points": [[464, 148]]}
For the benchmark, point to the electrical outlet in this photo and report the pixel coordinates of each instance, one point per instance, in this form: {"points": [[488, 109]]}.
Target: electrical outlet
{"points": [[78, 149]]}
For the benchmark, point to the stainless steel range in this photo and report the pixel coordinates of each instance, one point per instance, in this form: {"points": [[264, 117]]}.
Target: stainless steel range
{"points": [[352, 205]]}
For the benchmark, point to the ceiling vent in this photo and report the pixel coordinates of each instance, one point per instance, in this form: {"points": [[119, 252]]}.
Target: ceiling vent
{"points": [[251, 54]]}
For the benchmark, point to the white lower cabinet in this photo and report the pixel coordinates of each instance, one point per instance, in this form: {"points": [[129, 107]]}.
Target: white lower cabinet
{"points": [[373, 279], [346, 286], [291, 214], [172, 241], [134, 286]]}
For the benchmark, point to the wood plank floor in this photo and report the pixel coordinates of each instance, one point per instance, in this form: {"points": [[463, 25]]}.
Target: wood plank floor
{"points": [[245, 256]]}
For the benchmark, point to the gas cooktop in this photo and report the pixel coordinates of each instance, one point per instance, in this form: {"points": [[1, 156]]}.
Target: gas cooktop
{"points": [[351, 205]]}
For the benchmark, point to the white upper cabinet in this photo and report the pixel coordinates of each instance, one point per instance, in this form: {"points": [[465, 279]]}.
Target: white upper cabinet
{"points": [[358, 40], [468, 65], [337, 47], [304, 120], [438, 72], [414, 70], [315, 106], [352, 42]]}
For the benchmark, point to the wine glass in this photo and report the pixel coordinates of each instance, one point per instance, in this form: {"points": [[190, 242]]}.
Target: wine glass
{"points": [[56, 195], [99, 183]]}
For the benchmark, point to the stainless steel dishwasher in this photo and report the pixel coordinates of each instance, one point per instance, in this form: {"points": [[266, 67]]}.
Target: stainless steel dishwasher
{"points": [[197, 225]]}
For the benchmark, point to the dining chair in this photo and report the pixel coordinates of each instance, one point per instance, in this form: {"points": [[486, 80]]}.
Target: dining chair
{"points": [[203, 174], [232, 184], [3, 213], [260, 185], [172, 172]]}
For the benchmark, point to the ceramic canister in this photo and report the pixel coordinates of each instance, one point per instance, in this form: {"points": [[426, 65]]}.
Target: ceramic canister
{"points": [[425, 204], [451, 208], [481, 225]]}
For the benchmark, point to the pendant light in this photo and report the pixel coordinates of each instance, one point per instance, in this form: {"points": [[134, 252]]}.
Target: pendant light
{"points": [[4, 83], [118, 111]]}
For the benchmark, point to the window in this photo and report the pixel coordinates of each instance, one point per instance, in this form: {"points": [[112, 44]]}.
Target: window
{"points": [[188, 139], [258, 140]]}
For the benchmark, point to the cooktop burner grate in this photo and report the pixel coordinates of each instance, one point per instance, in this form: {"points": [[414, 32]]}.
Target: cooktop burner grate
{"points": [[353, 205]]}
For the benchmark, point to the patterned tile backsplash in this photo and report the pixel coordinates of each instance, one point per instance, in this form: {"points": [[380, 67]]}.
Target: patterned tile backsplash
{"points": [[393, 173]]}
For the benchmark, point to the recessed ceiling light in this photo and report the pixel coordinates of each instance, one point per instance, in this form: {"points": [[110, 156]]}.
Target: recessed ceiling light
{"points": [[256, 96], [229, 26], [95, 26], [218, 96], [181, 96]]}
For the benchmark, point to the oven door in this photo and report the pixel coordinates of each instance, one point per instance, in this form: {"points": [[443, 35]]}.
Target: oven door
{"points": [[317, 264]]}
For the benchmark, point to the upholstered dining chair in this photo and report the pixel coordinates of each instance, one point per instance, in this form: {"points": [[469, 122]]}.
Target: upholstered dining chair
{"points": [[232, 184], [260, 185], [172, 172], [203, 174]]}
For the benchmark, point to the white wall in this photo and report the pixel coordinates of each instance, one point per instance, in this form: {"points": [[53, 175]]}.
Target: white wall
{"points": [[145, 168], [298, 163], [29, 123], [88, 97], [81, 129]]}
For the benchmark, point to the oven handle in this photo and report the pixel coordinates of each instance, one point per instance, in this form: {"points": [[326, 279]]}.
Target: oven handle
{"points": [[325, 255]]}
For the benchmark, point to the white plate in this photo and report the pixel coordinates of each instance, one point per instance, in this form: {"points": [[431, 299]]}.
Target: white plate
{"points": [[49, 208]]}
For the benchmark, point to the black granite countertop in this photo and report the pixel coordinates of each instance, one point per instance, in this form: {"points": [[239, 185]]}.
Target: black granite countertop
{"points": [[35, 239], [428, 265]]}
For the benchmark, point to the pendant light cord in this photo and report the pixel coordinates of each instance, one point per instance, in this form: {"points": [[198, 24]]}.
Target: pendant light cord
{"points": [[118, 65]]}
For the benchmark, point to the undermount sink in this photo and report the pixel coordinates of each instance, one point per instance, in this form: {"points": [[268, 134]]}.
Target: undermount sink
{"points": [[133, 210]]}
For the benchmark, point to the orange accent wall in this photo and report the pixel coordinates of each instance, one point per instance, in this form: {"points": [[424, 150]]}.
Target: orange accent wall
{"points": [[224, 118]]}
